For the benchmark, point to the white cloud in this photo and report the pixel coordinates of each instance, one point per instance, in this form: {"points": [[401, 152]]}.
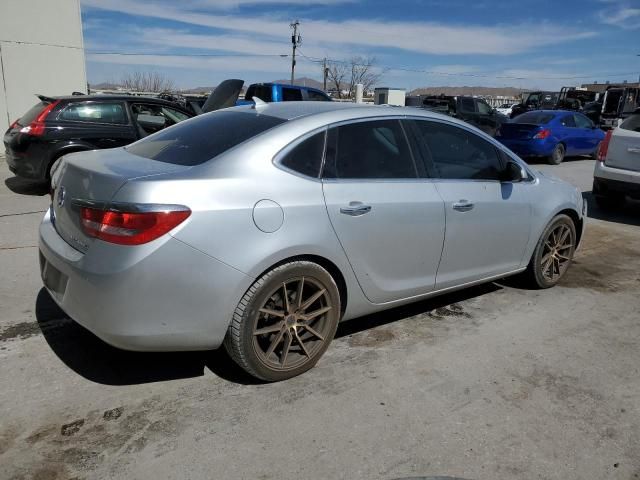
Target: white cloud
{"points": [[419, 37], [623, 17]]}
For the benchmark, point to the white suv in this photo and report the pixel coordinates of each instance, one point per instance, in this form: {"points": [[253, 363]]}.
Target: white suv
{"points": [[617, 171]]}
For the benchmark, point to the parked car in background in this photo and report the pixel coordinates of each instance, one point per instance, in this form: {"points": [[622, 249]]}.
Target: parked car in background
{"points": [[56, 126], [506, 108], [551, 134], [475, 111], [539, 100], [572, 98], [338, 213], [279, 92], [617, 171], [593, 111], [617, 104]]}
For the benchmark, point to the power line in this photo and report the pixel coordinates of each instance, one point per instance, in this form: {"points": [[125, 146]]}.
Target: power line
{"points": [[140, 54]]}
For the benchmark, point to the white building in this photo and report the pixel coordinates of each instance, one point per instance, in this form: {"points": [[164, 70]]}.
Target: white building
{"points": [[41, 51], [389, 96]]}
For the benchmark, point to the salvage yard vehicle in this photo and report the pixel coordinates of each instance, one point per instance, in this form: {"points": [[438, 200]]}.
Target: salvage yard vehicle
{"points": [[475, 111], [261, 227], [572, 98], [617, 171], [279, 92], [539, 100], [506, 108], [618, 103], [59, 125], [551, 134]]}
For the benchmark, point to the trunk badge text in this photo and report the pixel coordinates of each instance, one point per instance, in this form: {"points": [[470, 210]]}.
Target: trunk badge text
{"points": [[61, 196]]}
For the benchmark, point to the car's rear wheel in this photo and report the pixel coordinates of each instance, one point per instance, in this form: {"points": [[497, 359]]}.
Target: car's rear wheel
{"points": [[557, 155], [285, 321], [553, 253]]}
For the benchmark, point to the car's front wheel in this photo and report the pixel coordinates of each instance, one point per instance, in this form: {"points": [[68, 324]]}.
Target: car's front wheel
{"points": [[553, 253], [285, 321]]}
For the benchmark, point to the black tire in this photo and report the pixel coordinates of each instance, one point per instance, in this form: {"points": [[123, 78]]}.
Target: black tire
{"points": [[254, 352], [557, 155], [610, 201], [536, 273]]}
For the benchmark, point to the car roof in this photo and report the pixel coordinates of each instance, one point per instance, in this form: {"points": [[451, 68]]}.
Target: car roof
{"points": [[288, 85], [338, 111], [110, 97]]}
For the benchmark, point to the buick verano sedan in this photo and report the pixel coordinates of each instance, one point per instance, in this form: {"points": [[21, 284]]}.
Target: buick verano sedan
{"points": [[261, 227]]}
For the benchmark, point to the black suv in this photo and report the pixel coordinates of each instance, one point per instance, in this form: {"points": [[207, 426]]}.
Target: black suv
{"points": [[472, 110], [60, 125]]}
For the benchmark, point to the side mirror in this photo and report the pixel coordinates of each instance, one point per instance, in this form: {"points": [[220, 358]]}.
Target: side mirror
{"points": [[513, 173]]}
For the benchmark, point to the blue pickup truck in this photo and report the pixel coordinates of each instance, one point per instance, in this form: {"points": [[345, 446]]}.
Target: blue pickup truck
{"points": [[278, 92]]}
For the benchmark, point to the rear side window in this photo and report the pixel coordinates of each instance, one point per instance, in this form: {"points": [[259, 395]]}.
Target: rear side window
{"points": [[375, 149], [263, 92], [632, 123], [466, 105], [483, 107], [203, 138], [291, 94], [306, 157], [536, 118], [459, 154], [568, 121], [317, 96], [94, 112]]}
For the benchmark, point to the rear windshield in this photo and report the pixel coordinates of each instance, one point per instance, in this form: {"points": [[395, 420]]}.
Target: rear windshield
{"points": [[537, 118], [194, 142], [32, 113], [632, 123]]}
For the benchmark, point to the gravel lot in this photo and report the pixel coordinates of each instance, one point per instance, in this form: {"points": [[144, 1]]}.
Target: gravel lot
{"points": [[494, 382]]}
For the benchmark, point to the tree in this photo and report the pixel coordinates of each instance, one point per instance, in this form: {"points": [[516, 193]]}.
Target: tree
{"points": [[147, 82], [357, 70]]}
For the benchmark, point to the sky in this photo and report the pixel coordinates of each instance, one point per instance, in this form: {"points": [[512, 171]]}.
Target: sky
{"points": [[542, 44]]}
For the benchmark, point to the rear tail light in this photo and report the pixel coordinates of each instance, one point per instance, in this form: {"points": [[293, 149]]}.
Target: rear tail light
{"points": [[542, 134], [37, 127], [14, 124], [131, 228], [604, 146]]}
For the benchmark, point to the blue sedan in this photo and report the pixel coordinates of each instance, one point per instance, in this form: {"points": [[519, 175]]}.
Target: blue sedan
{"points": [[551, 134]]}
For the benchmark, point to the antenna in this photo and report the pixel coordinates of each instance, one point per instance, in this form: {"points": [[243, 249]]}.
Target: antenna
{"points": [[258, 104]]}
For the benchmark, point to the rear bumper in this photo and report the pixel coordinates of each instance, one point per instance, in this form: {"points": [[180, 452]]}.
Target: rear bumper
{"points": [[24, 163], [529, 148], [608, 179], [166, 297]]}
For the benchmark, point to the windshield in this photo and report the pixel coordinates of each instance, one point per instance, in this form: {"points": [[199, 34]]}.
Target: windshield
{"points": [[203, 138]]}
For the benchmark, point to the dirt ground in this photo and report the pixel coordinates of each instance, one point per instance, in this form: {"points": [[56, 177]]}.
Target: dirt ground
{"points": [[493, 382]]}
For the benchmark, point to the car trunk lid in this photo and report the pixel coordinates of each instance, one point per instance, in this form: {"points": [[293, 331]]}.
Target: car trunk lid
{"points": [[624, 150], [519, 131], [94, 178]]}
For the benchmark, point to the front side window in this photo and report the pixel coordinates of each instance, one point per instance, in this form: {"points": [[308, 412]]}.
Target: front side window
{"points": [[263, 92], [457, 153], [483, 107], [94, 112], [375, 149], [306, 157], [291, 94], [317, 96]]}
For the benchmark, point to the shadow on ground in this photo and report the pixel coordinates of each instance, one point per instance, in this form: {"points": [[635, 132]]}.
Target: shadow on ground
{"points": [[99, 362], [628, 213], [543, 161], [27, 187]]}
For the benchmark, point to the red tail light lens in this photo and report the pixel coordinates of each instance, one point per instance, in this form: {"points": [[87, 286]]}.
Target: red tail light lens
{"points": [[604, 146], [130, 228], [37, 127], [14, 124], [542, 134]]}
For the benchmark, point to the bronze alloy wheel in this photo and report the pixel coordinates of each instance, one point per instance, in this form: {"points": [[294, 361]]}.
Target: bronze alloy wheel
{"points": [[556, 253], [292, 324], [553, 253], [285, 321]]}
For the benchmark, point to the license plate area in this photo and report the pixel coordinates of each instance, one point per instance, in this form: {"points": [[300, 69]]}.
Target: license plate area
{"points": [[53, 279]]}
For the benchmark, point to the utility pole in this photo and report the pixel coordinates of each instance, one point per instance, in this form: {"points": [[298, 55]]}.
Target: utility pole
{"points": [[325, 72], [296, 40]]}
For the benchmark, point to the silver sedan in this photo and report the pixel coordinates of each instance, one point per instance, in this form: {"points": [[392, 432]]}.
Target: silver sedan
{"points": [[261, 227]]}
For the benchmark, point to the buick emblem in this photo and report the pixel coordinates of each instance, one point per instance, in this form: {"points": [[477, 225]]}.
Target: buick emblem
{"points": [[60, 196]]}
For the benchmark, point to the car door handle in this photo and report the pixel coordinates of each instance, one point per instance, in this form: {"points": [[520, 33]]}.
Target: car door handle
{"points": [[463, 206], [355, 209], [633, 150]]}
